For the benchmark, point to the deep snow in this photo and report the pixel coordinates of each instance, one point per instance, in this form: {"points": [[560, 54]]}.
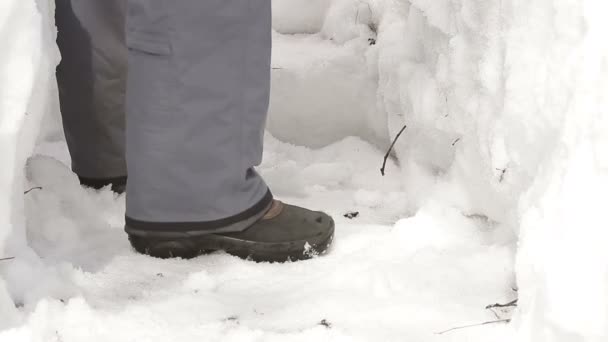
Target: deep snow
{"points": [[505, 103], [381, 281]]}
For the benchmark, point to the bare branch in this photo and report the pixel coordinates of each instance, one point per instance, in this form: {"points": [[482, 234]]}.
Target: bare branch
{"points": [[32, 189], [497, 305], [388, 153], [475, 325], [9, 258]]}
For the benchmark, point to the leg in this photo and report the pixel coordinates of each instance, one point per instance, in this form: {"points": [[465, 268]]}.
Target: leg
{"points": [[92, 77], [197, 97], [198, 88]]}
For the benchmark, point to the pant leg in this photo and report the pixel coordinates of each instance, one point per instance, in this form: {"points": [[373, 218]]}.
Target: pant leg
{"points": [[197, 98], [92, 81]]}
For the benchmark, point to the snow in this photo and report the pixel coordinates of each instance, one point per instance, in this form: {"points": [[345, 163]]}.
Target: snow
{"points": [[313, 76], [381, 280], [299, 16], [498, 182], [27, 62]]}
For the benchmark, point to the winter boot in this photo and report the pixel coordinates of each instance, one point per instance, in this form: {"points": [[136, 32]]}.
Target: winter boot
{"points": [[285, 233]]}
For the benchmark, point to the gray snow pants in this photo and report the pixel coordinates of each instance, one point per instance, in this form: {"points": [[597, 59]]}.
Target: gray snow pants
{"points": [[193, 78]]}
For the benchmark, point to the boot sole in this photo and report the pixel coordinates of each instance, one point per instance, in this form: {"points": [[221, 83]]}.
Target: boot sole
{"points": [[195, 245]]}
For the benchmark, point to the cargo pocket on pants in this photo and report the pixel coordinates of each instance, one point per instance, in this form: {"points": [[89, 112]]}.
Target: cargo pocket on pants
{"points": [[148, 27]]}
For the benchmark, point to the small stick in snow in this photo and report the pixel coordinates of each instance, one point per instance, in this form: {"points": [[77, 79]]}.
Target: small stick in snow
{"points": [[325, 323], [502, 174], [351, 215], [497, 305], [455, 142], [4, 259], [388, 153], [32, 189], [232, 319], [475, 325]]}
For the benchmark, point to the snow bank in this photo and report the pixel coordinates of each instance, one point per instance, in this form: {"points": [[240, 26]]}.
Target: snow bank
{"points": [[27, 62], [299, 16], [505, 103], [563, 260], [322, 92]]}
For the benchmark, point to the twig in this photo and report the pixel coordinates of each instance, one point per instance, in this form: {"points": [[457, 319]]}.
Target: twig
{"points": [[475, 325], [351, 215], [497, 305], [502, 174], [325, 323], [9, 258], [388, 153], [32, 189], [231, 319], [455, 142]]}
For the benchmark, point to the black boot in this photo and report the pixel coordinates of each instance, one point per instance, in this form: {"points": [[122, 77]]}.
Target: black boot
{"points": [[285, 233]]}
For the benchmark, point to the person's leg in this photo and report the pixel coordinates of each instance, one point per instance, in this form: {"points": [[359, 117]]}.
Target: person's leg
{"points": [[91, 79], [197, 97]]}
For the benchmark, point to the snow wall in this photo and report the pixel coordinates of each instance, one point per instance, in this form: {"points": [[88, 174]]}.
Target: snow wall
{"points": [[505, 103], [27, 92]]}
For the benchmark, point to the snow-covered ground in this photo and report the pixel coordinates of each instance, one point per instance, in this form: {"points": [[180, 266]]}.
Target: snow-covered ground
{"points": [[386, 278], [497, 184]]}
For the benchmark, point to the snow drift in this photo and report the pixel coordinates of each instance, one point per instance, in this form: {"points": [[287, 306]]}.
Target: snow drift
{"points": [[506, 113], [505, 102], [27, 93]]}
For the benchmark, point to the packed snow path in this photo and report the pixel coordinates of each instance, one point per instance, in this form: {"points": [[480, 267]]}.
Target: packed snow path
{"points": [[384, 279]]}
